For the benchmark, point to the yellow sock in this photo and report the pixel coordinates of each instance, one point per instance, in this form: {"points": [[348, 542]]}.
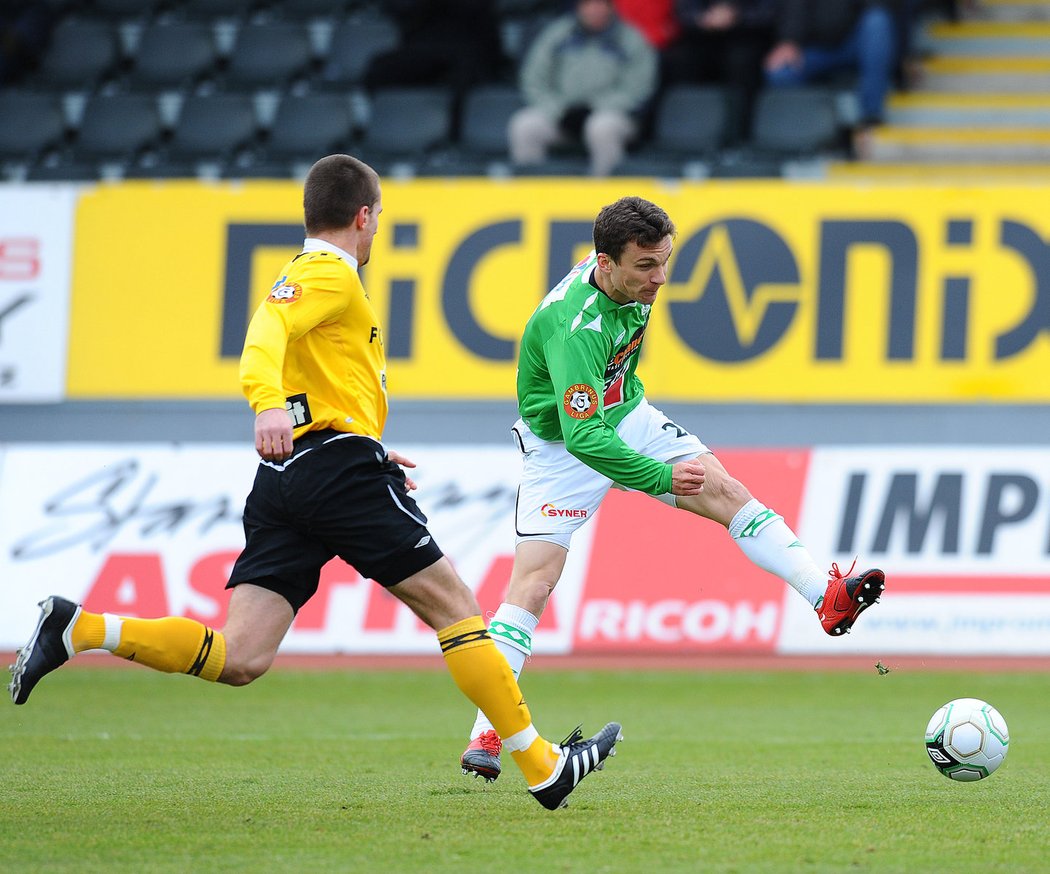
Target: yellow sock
{"points": [[172, 644], [89, 631], [483, 675]]}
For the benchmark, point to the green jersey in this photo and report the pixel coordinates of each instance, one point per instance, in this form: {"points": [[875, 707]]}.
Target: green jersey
{"points": [[577, 380]]}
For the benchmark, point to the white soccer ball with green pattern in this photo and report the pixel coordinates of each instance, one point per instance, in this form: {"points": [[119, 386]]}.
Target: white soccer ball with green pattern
{"points": [[967, 739]]}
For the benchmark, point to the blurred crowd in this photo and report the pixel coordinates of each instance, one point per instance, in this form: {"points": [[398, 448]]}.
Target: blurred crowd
{"points": [[591, 71]]}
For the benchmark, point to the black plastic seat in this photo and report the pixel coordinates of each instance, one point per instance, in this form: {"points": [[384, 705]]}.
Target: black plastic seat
{"points": [[309, 127], [210, 130], [299, 9], [796, 121], [304, 129], [80, 55], [482, 147], [33, 123], [354, 43], [173, 55], [117, 127], [125, 10], [407, 124], [269, 55], [210, 10], [690, 126], [485, 115]]}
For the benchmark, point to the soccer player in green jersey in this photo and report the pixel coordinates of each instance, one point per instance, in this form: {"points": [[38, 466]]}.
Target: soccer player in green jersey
{"points": [[586, 426]]}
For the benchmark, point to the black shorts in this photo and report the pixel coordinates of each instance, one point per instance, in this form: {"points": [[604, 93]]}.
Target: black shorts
{"points": [[337, 494]]}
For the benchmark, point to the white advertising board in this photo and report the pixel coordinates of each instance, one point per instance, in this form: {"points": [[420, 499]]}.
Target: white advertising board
{"points": [[963, 534], [153, 529], [150, 530], [36, 239]]}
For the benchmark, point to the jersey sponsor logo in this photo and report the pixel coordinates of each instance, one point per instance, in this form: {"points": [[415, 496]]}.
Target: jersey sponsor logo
{"points": [[616, 369], [284, 292], [551, 511], [580, 401], [298, 409]]}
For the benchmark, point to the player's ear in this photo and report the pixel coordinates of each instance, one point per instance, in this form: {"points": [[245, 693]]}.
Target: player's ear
{"points": [[361, 218], [605, 263]]}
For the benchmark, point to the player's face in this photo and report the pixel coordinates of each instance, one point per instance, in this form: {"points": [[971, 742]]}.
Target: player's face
{"points": [[364, 248], [640, 272]]}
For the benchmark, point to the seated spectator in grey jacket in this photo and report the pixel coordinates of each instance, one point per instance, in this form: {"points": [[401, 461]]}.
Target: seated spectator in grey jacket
{"points": [[588, 75]]}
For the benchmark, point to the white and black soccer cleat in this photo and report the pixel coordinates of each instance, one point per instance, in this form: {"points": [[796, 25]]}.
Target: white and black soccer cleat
{"points": [[578, 759], [50, 647]]}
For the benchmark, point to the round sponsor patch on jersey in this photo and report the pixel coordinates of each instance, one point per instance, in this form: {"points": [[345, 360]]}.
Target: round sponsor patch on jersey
{"points": [[580, 401], [287, 293]]}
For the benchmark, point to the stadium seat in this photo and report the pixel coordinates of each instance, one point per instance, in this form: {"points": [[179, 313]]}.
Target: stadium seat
{"points": [[795, 121], [173, 55], [486, 112], [116, 127], [690, 126], [304, 129], [126, 10], [209, 10], [269, 55], [114, 130], [406, 125], [481, 147], [81, 54], [33, 124], [354, 42], [293, 10], [210, 130]]}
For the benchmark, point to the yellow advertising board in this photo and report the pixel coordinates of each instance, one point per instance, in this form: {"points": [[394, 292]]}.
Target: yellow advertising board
{"points": [[778, 291]]}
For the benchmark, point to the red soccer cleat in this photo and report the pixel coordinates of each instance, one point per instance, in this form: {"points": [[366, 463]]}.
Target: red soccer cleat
{"points": [[847, 597], [481, 757]]}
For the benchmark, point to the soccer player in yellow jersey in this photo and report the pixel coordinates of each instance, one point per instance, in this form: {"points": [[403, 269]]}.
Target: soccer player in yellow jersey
{"points": [[313, 370]]}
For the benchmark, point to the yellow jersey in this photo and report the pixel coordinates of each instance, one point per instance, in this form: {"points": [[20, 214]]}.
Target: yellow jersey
{"points": [[315, 348]]}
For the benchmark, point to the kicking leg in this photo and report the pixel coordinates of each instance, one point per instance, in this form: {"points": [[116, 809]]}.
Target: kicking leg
{"points": [[765, 538]]}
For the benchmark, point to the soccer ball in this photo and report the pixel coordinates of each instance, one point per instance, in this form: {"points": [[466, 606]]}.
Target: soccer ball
{"points": [[967, 739]]}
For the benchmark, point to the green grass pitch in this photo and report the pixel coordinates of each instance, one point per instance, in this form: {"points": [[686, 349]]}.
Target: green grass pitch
{"points": [[131, 771]]}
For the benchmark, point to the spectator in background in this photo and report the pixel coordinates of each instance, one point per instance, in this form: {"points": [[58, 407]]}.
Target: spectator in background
{"points": [[656, 19], [588, 75], [817, 38], [723, 42], [25, 29], [443, 42]]}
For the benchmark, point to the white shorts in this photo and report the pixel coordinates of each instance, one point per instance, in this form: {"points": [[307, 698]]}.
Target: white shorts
{"points": [[559, 493]]}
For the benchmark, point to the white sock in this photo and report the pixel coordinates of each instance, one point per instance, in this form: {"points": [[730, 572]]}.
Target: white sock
{"points": [[766, 539], [511, 630], [114, 625]]}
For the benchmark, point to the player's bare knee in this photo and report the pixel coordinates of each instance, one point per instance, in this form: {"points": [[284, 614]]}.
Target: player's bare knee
{"points": [[733, 492], [241, 673], [532, 591]]}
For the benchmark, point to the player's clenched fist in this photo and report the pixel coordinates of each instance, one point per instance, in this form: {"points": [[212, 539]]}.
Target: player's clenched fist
{"points": [[687, 478], [273, 434]]}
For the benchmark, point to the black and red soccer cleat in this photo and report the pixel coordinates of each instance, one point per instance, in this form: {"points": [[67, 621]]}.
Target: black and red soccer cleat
{"points": [[481, 757], [847, 597]]}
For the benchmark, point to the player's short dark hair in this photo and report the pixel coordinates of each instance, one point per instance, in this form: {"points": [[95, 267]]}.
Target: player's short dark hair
{"points": [[335, 189], [630, 220]]}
